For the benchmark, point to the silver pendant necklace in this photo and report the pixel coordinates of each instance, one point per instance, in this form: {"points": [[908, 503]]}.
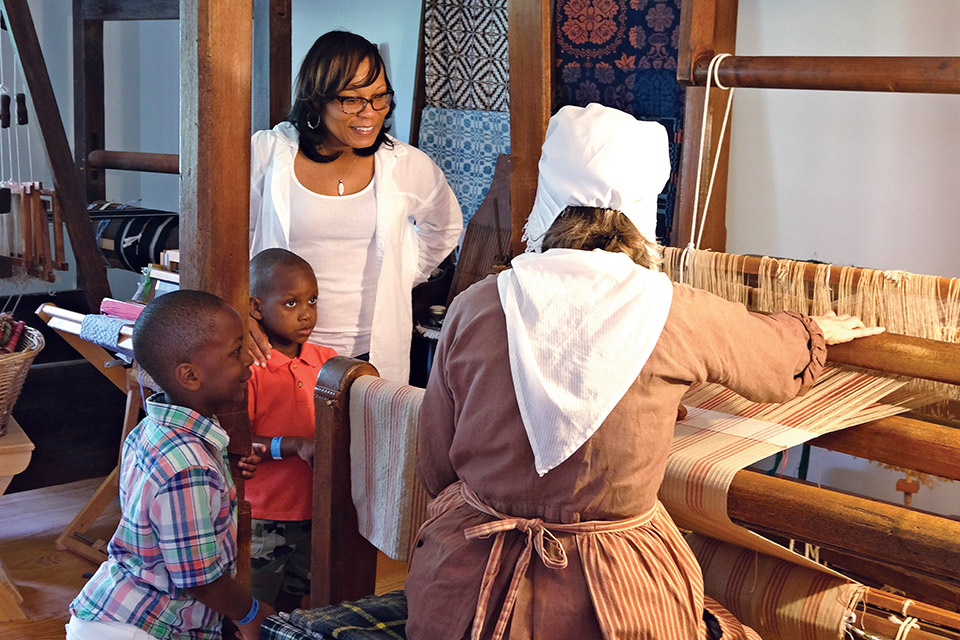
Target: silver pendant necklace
{"points": [[340, 178]]}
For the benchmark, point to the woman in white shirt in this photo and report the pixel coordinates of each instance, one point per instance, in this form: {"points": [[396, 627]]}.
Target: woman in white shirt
{"points": [[373, 216]]}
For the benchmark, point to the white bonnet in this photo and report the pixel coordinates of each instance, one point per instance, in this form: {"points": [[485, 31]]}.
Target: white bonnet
{"points": [[596, 156]]}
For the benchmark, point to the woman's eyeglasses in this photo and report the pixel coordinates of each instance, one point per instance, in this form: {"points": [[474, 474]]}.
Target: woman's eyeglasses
{"points": [[352, 105]]}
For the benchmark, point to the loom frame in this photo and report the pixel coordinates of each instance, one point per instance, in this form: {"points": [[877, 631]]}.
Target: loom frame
{"points": [[708, 27], [343, 563]]}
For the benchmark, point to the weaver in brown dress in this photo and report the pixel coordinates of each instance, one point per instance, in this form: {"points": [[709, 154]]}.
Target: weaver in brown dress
{"points": [[550, 410]]}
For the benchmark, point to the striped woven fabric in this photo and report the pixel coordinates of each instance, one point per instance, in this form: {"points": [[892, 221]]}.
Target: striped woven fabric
{"points": [[390, 502], [724, 433], [780, 600]]}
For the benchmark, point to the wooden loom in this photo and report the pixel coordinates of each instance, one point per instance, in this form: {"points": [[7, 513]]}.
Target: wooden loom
{"points": [[876, 543], [344, 563], [36, 253], [708, 28], [915, 551]]}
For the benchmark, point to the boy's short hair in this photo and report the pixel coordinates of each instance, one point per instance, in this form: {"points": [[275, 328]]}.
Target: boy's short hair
{"points": [[264, 266], [172, 328]]}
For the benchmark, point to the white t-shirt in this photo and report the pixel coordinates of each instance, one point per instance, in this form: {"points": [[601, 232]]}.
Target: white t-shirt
{"points": [[336, 235]]}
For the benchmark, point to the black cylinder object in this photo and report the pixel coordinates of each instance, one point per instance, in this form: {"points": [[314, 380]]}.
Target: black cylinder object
{"points": [[21, 108], [133, 242], [5, 111]]}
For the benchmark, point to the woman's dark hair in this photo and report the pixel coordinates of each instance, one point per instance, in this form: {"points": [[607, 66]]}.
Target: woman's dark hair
{"points": [[328, 68], [590, 228]]}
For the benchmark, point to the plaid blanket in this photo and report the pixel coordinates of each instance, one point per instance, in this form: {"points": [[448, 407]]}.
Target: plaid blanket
{"points": [[371, 618]]}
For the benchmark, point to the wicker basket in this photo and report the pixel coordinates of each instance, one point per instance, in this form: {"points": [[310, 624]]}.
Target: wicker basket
{"points": [[13, 371]]}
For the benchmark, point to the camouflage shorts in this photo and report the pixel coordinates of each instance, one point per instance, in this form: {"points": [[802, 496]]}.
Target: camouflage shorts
{"points": [[280, 558]]}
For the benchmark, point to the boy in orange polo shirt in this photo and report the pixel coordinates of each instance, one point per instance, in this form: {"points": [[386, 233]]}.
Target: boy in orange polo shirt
{"points": [[283, 299]]}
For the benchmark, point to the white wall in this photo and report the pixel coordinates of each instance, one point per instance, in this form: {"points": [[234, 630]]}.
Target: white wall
{"points": [[848, 178], [394, 26]]}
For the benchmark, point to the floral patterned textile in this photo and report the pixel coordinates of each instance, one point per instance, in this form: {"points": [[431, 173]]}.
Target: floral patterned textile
{"points": [[623, 54], [465, 145]]}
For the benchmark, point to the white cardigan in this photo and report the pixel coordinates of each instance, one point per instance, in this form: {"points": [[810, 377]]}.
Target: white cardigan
{"points": [[418, 225]]}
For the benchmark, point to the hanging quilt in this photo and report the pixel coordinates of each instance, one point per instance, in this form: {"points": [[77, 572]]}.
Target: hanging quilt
{"points": [[466, 64], [623, 54], [465, 145]]}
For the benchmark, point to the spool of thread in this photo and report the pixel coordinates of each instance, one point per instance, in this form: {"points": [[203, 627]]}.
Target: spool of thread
{"points": [[5, 111], [21, 108]]}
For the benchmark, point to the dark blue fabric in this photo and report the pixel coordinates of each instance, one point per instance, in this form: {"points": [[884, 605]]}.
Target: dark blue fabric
{"points": [[623, 54], [370, 618]]}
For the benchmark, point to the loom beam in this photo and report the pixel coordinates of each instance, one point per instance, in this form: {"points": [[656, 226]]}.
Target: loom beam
{"points": [[908, 443], [902, 355], [751, 265], [936, 595], [873, 530], [134, 161], [834, 73]]}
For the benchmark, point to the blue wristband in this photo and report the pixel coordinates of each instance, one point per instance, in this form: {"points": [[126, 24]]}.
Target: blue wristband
{"points": [[275, 448], [254, 610]]}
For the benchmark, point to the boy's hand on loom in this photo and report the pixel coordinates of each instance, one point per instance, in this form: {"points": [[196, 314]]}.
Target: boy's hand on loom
{"points": [[839, 329], [305, 450], [259, 343], [248, 464], [252, 631]]}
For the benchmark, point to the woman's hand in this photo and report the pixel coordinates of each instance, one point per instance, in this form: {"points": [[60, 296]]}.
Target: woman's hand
{"points": [[839, 329], [259, 343]]}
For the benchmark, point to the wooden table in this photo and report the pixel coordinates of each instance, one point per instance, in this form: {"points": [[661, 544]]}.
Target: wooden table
{"points": [[15, 452]]}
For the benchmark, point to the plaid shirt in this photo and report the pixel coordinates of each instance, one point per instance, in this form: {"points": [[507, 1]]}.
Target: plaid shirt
{"points": [[177, 529]]}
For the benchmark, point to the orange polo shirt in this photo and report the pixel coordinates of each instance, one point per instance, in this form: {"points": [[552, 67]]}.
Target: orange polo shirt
{"points": [[280, 399]]}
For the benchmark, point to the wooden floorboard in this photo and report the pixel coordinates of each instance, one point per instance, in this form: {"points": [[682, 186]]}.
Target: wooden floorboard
{"points": [[48, 580]]}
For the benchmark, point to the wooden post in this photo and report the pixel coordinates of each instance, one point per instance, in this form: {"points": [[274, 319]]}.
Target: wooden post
{"points": [[88, 123], [707, 27], [343, 564], [420, 80], [271, 72], [216, 44], [531, 91], [66, 181]]}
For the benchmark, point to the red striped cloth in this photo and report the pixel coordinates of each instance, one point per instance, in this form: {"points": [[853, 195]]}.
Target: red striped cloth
{"points": [[781, 599], [638, 571], [777, 592], [724, 433]]}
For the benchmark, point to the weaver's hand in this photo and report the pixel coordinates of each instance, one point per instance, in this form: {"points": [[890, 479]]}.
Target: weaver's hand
{"points": [[259, 343], [839, 329]]}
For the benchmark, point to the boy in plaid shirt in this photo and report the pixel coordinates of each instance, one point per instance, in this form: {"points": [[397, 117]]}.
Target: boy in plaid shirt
{"points": [[170, 563]]}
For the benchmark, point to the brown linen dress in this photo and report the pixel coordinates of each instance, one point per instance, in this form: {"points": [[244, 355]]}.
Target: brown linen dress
{"points": [[644, 582]]}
